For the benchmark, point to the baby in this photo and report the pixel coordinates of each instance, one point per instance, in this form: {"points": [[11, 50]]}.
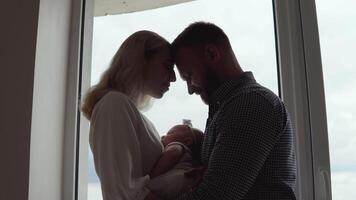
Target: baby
{"points": [[177, 171]]}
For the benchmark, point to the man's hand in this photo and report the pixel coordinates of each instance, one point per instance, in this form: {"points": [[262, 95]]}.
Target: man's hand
{"points": [[152, 196], [196, 174]]}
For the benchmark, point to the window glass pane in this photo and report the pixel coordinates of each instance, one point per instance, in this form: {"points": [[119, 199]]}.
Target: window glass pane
{"points": [[337, 29], [248, 24]]}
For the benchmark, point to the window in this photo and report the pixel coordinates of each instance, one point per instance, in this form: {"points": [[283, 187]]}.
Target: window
{"points": [[248, 24], [338, 42]]}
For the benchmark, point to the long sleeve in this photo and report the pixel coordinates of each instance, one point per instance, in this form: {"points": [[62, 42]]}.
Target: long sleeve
{"points": [[248, 129], [116, 149]]}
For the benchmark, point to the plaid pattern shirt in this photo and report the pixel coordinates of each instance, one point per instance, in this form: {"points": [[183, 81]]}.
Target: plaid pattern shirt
{"points": [[248, 145]]}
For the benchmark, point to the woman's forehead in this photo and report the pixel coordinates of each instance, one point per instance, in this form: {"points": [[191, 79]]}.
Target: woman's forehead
{"points": [[165, 54]]}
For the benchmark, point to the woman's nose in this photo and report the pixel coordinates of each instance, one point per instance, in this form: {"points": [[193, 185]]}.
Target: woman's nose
{"points": [[172, 77]]}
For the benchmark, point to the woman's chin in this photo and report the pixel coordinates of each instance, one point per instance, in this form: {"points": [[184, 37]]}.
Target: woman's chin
{"points": [[158, 95]]}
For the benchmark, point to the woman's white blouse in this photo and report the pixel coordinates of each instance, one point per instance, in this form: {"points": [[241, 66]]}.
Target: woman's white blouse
{"points": [[125, 147]]}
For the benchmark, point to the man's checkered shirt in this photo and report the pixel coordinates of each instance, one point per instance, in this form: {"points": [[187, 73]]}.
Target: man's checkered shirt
{"points": [[248, 145]]}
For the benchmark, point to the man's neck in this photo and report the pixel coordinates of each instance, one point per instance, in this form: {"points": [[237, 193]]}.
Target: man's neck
{"points": [[229, 71]]}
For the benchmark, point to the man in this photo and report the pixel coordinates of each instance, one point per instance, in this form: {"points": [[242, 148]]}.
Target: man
{"points": [[248, 142]]}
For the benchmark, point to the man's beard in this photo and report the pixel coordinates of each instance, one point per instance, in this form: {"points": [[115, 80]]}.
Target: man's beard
{"points": [[212, 83]]}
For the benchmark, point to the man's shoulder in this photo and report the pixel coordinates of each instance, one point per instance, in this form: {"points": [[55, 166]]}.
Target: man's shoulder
{"points": [[254, 93], [255, 101]]}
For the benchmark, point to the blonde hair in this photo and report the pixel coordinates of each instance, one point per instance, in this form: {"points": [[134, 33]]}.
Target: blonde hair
{"points": [[126, 71]]}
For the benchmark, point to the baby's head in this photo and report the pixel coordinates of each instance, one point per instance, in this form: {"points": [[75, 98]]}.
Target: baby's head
{"points": [[183, 134]]}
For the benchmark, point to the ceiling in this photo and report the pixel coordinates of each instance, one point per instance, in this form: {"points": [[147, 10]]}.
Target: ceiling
{"points": [[113, 7]]}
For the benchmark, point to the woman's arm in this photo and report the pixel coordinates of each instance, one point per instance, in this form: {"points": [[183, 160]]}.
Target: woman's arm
{"points": [[116, 149], [168, 160]]}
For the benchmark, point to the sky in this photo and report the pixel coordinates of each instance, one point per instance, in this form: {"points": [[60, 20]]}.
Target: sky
{"points": [[249, 26]]}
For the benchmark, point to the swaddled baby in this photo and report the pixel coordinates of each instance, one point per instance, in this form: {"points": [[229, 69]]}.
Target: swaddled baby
{"points": [[177, 171]]}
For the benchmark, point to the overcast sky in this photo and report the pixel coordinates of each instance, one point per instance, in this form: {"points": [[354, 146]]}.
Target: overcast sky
{"points": [[249, 25]]}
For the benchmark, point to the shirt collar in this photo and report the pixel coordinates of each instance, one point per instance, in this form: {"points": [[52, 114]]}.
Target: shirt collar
{"points": [[219, 95]]}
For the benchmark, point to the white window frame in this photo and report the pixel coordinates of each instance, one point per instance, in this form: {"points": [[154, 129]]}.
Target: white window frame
{"points": [[75, 168], [301, 88]]}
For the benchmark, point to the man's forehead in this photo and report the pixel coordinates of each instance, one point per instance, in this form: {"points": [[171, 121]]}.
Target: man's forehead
{"points": [[180, 58], [182, 73], [185, 51]]}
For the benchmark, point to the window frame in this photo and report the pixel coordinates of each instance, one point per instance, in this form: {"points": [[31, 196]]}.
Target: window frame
{"points": [[75, 167], [302, 90], [300, 86]]}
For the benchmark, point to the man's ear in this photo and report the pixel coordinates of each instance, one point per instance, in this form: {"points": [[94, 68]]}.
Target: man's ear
{"points": [[212, 53], [188, 141]]}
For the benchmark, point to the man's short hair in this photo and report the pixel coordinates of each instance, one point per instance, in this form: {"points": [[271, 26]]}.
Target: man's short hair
{"points": [[200, 33]]}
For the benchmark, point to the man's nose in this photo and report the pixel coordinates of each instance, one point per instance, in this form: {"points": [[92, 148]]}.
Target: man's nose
{"points": [[190, 89]]}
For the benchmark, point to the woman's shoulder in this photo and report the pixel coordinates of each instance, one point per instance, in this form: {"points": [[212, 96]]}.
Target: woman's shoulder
{"points": [[114, 100], [116, 96]]}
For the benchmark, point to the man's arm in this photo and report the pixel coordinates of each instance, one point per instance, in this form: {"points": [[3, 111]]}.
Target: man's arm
{"points": [[168, 160], [248, 130], [196, 148]]}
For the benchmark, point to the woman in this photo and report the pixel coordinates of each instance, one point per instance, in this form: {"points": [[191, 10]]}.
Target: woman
{"points": [[125, 144]]}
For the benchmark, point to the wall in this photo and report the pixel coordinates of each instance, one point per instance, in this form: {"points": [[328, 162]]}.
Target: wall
{"points": [[18, 34]]}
